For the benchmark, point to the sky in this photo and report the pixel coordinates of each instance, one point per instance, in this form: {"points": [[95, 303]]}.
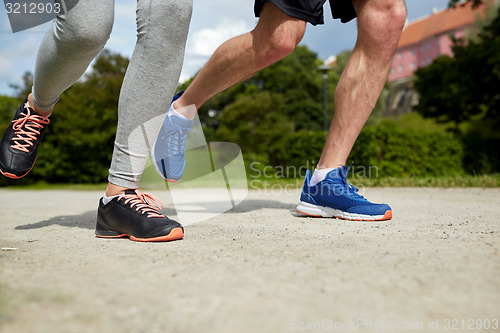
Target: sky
{"points": [[212, 23]]}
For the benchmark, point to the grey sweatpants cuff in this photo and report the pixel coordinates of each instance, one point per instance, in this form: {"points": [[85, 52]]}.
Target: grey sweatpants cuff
{"points": [[44, 106], [124, 180]]}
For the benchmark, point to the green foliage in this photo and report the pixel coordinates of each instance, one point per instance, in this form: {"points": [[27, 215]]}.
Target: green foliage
{"points": [[481, 153], [301, 148], [297, 82], [456, 89], [438, 84], [296, 78], [415, 121], [392, 151], [249, 123], [78, 144], [400, 153], [8, 106]]}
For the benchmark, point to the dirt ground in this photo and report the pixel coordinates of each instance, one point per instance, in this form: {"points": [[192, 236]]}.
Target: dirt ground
{"points": [[256, 268]]}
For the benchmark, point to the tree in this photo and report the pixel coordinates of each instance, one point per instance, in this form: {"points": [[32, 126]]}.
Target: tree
{"points": [[78, 144], [256, 122], [459, 88], [295, 77]]}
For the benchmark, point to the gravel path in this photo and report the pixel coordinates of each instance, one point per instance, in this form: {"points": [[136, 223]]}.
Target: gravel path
{"points": [[257, 268]]}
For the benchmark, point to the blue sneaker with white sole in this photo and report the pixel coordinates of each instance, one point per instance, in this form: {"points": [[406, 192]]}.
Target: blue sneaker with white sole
{"points": [[335, 197], [169, 150]]}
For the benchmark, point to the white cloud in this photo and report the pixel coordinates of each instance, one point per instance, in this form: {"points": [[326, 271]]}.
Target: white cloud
{"points": [[213, 22], [6, 74], [205, 41]]}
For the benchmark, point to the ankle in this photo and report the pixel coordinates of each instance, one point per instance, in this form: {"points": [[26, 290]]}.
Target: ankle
{"points": [[33, 106], [112, 190], [320, 167], [188, 111]]}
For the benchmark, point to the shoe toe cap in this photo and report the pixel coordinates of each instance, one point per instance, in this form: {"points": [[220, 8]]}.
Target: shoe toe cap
{"points": [[372, 209]]}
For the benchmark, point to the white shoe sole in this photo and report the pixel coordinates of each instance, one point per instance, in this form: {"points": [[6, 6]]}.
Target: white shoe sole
{"points": [[308, 209]]}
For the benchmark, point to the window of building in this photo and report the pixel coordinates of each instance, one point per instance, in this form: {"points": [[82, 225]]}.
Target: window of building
{"points": [[412, 65], [400, 55], [401, 68]]}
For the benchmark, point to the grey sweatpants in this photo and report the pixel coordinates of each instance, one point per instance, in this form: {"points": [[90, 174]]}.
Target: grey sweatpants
{"points": [[74, 40]]}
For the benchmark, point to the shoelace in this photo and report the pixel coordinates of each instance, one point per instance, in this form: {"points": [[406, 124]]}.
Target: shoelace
{"points": [[26, 129], [351, 190], [144, 202], [176, 139]]}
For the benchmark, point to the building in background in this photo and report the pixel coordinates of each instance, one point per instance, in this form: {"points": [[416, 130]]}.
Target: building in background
{"points": [[427, 38], [422, 41]]}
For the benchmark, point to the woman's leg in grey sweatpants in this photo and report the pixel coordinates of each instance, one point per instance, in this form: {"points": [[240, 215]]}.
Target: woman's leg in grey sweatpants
{"points": [[150, 83], [68, 48]]}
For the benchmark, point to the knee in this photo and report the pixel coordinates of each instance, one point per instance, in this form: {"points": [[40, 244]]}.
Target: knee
{"points": [[383, 20], [278, 45], [163, 15], [85, 36], [397, 16]]}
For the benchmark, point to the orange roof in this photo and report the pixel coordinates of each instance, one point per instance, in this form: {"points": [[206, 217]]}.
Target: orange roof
{"points": [[438, 23]]}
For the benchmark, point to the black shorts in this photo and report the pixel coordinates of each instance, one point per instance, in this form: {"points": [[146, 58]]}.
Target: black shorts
{"points": [[311, 10]]}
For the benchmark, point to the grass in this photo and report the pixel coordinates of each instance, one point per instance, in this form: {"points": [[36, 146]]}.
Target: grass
{"points": [[484, 181], [58, 186]]}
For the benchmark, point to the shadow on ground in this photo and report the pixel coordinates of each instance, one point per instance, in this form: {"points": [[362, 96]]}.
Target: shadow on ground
{"points": [[87, 220]]}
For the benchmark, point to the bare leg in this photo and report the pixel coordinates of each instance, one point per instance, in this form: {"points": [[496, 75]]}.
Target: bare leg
{"points": [[380, 23], [274, 37]]}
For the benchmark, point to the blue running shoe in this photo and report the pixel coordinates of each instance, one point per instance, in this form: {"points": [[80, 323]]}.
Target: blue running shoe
{"points": [[169, 150], [334, 197]]}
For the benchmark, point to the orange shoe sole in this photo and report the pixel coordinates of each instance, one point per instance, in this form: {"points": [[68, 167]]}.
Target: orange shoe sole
{"points": [[174, 234]]}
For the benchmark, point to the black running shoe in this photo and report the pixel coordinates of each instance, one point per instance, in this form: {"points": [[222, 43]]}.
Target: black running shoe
{"points": [[19, 145], [137, 216]]}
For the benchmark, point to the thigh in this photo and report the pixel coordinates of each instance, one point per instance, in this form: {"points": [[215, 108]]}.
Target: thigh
{"points": [[307, 10], [275, 26]]}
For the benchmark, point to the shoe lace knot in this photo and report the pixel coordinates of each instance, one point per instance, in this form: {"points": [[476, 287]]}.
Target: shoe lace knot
{"points": [[27, 129], [145, 203], [343, 186]]}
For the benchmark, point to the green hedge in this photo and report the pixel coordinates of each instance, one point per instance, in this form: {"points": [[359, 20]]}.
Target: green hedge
{"points": [[481, 154], [392, 151]]}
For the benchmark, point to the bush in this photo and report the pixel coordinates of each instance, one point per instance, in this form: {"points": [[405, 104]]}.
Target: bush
{"points": [[481, 154], [401, 153], [394, 152]]}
